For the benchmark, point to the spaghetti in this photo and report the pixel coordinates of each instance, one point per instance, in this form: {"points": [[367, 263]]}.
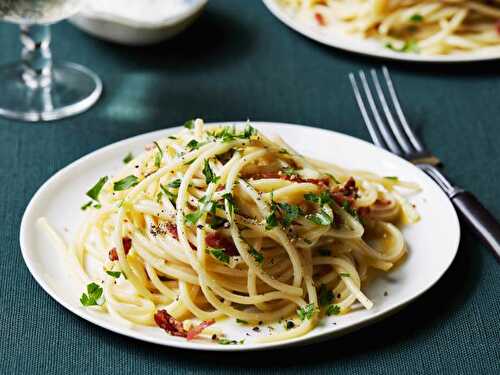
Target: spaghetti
{"points": [[219, 222], [431, 27]]}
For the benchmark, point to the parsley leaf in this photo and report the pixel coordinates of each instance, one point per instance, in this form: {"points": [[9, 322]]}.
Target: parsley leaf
{"points": [[224, 341], [206, 206], [351, 211], [86, 205], [189, 124], [323, 198], [393, 178], [96, 189], [259, 257], [241, 321], [271, 221], [417, 18], [172, 137], [128, 158], [325, 295], [408, 46], [209, 174], [344, 274], [220, 254], [158, 156], [172, 197], [333, 310], [125, 183], [321, 218], [290, 213], [93, 296], [175, 184], [193, 145], [306, 312], [114, 274], [289, 171], [228, 134]]}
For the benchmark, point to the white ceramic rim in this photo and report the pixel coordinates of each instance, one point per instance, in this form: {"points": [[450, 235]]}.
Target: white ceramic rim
{"points": [[383, 52], [124, 21], [199, 346]]}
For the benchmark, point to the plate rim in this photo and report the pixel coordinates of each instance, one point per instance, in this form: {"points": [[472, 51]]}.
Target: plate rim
{"points": [[298, 341], [308, 32]]}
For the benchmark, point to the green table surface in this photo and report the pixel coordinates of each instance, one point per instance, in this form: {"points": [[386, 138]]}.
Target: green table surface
{"points": [[239, 62]]}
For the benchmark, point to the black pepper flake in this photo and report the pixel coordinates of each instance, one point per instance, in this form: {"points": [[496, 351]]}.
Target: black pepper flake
{"points": [[290, 324], [260, 323], [386, 294], [214, 337], [256, 329], [339, 295], [199, 226]]}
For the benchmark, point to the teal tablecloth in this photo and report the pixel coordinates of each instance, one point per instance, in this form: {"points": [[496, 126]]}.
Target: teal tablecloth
{"points": [[239, 62]]}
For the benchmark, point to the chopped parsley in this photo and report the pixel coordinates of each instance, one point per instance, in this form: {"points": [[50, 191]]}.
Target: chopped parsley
{"points": [[125, 183], [283, 151], [321, 218], [96, 189], [259, 257], [220, 255], [189, 124], [86, 205], [306, 312], [114, 274], [158, 156], [325, 295], [128, 158], [172, 137], [290, 212], [416, 18], [408, 46], [344, 274], [228, 133], [289, 171], [271, 221], [351, 211], [224, 341], [209, 174], [206, 206], [172, 197], [193, 145], [93, 296], [241, 321], [175, 184], [393, 178], [333, 310], [323, 198]]}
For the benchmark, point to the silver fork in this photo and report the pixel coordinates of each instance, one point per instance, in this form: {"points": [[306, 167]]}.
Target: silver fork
{"points": [[395, 134]]}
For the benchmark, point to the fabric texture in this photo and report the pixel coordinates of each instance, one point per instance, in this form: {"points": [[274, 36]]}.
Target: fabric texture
{"points": [[237, 62]]}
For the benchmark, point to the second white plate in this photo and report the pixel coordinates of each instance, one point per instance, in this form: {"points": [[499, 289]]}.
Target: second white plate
{"points": [[432, 242], [336, 38]]}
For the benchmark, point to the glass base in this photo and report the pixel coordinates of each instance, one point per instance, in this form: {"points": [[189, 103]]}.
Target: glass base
{"points": [[72, 90]]}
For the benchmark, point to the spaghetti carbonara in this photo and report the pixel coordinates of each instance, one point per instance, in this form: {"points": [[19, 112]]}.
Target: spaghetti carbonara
{"points": [[224, 223], [433, 27]]}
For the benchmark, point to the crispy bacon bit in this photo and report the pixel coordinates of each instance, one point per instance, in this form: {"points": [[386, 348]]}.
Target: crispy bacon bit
{"points": [[216, 240], [320, 19], [364, 211], [382, 202], [195, 331], [127, 244], [171, 325], [348, 192], [172, 229]]}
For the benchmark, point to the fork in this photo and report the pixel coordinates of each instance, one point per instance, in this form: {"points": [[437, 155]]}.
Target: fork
{"points": [[395, 134]]}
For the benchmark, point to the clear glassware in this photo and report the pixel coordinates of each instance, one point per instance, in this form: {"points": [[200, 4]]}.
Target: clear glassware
{"points": [[38, 89]]}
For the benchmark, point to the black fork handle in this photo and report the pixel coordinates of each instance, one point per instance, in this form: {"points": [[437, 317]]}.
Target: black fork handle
{"points": [[480, 219]]}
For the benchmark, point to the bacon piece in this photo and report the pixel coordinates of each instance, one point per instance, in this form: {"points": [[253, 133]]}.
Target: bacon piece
{"points": [[127, 244], [216, 240], [195, 331], [382, 202], [171, 325], [364, 211], [172, 230], [348, 192], [320, 19]]}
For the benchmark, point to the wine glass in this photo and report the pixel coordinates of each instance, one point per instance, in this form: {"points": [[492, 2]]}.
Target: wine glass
{"points": [[36, 89]]}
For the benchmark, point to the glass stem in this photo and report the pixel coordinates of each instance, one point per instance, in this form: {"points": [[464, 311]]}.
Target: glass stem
{"points": [[36, 55]]}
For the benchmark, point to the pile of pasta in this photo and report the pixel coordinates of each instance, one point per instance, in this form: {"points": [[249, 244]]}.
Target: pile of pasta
{"points": [[432, 27], [222, 222]]}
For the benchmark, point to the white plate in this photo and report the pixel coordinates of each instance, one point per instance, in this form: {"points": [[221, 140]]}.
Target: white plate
{"points": [[432, 242], [132, 32], [335, 38]]}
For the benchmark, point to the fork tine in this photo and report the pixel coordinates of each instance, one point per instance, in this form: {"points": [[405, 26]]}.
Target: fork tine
{"points": [[396, 129], [371, 128], [384, 129], [409, 132]]}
